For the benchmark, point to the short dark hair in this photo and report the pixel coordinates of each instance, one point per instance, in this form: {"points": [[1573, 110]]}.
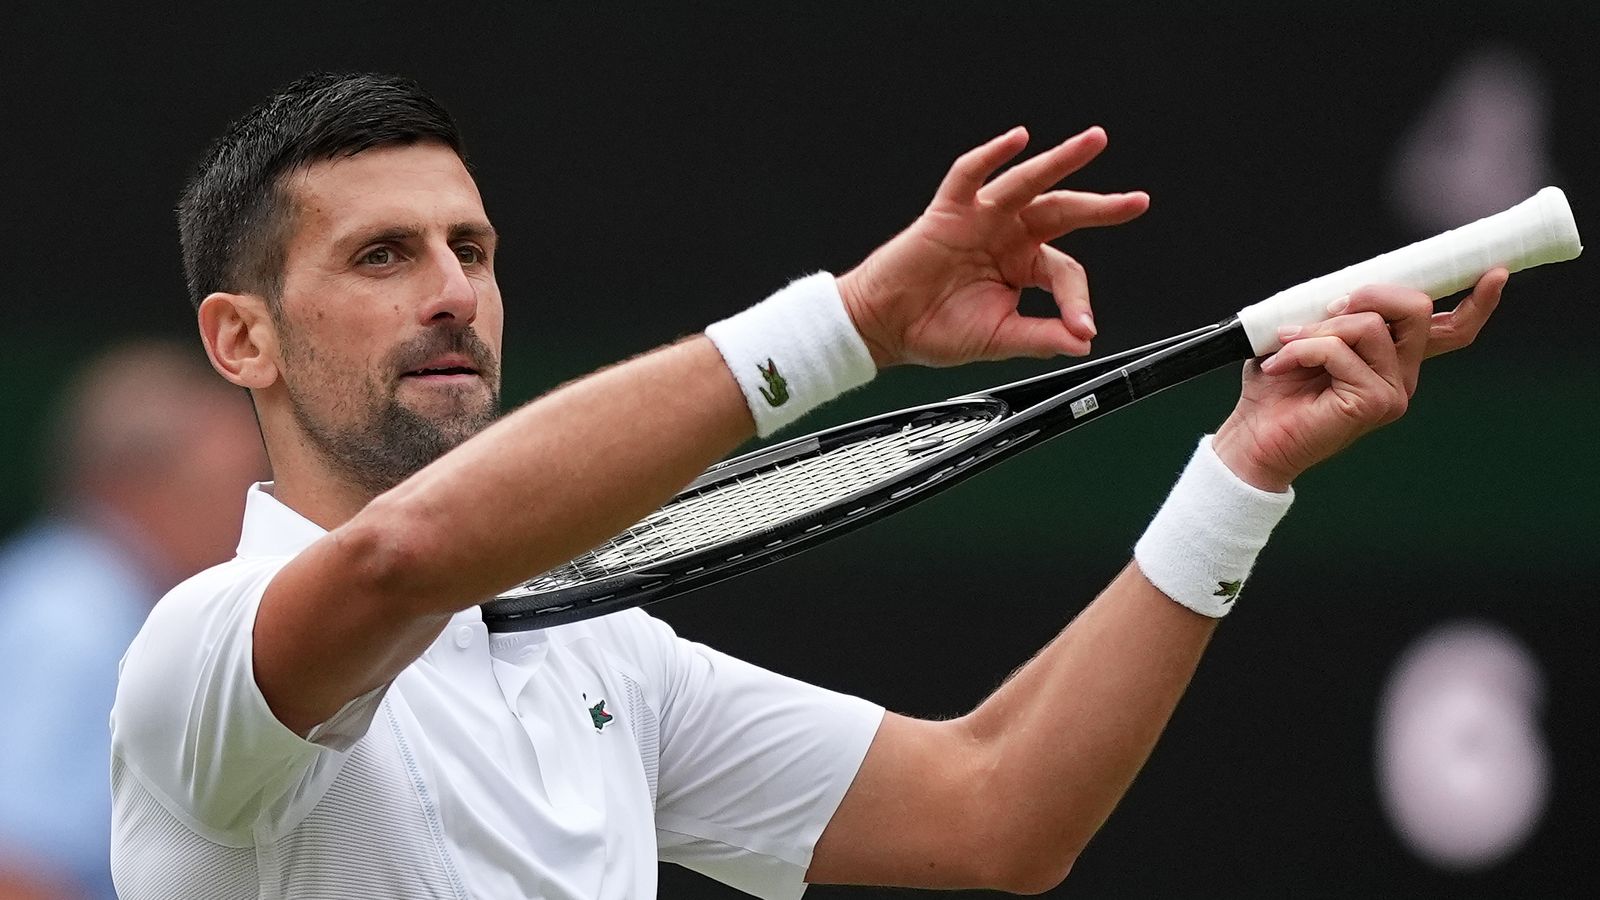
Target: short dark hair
{"points": [[233, 215]]}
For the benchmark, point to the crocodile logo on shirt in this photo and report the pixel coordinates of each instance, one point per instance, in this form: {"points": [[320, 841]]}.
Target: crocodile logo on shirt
{"points": [[779, 393], [598, 714], [1229, 589]]}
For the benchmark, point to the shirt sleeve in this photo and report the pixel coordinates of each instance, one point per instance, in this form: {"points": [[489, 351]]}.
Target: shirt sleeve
{"points": [[192, 725], [752, 767]]}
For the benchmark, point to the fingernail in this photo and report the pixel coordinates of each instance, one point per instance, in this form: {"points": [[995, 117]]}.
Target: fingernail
{"points": [[1287, 331], [1339, 305], [1266, 363], [1087, 321]]}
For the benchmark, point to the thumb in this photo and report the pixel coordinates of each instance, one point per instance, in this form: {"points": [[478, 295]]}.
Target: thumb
{"points": [[1040, 338]]}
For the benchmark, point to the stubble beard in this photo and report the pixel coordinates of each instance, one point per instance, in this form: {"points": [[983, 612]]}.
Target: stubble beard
{"points": [[388, 442]]}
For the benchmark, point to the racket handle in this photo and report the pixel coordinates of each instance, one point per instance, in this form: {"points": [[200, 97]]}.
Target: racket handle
{"points": [[1536, 231]]}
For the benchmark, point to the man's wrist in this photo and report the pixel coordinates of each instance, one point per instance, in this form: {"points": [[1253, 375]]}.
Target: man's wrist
{"points": [[853, 288], [1232, 445], [793, 351], [1201, 545]]}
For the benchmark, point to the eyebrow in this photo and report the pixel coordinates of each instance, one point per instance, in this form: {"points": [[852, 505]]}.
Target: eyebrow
{"points": [[478, 231]]}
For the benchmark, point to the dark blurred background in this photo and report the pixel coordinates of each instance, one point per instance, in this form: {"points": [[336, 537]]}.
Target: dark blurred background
{"points": [[652, 168]]}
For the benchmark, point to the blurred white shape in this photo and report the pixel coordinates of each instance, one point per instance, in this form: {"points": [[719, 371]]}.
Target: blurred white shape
{"points": [[1478, 148], [1463, 770]]}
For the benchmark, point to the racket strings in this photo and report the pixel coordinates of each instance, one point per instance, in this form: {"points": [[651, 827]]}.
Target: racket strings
{"points": [[754, 501]]}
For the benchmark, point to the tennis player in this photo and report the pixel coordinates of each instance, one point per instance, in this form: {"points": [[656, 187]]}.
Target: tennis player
{"points": [[326, 715]]}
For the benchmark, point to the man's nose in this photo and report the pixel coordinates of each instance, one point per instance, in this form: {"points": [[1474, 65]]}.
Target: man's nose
{"points": [[454, 297]]}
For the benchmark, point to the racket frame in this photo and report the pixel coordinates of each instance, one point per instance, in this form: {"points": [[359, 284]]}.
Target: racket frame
{"points": [[1024, 413], [1537, 231]]}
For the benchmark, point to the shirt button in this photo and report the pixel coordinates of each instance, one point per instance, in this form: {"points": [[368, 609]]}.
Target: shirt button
{"points": [[464, 636]]}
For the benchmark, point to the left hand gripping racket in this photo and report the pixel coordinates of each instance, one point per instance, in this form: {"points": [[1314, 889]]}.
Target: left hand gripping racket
{"points": [[774, 502]]}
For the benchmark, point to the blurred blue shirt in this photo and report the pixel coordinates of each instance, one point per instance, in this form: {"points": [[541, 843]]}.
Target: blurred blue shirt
{"points": [[72, 597]]}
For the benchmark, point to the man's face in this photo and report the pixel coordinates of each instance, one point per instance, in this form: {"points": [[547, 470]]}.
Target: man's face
{"points": [[390, 319]]}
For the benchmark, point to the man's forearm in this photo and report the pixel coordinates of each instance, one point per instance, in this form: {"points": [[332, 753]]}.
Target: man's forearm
{"points": [[1095, 700], [1007, 795]]}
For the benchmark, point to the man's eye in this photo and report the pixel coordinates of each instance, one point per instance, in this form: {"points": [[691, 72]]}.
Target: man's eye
{"points": [[378, 256], [469, 254]]}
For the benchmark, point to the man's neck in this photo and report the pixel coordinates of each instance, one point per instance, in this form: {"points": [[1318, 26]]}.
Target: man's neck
{"points": [[326, 500], [313, 486]]}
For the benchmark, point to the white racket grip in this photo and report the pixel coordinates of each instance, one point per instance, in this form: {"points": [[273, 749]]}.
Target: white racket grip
{"points": [[1536, 231]]}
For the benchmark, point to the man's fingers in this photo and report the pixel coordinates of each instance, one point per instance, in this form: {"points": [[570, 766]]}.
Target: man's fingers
{"points": [[1052, 215], [1408, 313], [1459, 327], [973, 168], [1041, 338], [1369, 394], [1066, 280], [1367, 335], [1017, 186]]}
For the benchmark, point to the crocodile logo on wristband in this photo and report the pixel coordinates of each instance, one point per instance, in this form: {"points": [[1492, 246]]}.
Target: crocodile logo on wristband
{"points": [[1229, 589], [778, 394]]}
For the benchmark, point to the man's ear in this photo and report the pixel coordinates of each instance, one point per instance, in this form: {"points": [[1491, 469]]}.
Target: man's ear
{"points": [[240, 338]]}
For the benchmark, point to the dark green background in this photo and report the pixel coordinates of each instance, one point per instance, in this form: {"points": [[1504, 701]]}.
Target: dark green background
{"points": [[653, 168]]}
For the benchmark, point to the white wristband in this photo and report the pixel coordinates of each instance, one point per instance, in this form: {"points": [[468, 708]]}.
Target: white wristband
{"points": [[1200, 546], [793, 351]]}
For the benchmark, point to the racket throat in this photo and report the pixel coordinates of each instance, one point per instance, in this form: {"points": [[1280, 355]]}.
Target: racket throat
{"points": [[1186, 360]]}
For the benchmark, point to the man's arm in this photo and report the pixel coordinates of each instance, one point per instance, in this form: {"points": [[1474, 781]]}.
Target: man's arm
{"points": [[1008, 795], [544, 484], [581, 464]]}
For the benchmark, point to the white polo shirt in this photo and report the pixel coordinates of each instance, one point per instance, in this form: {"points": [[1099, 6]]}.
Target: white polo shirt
{"points": [[551, 764]]}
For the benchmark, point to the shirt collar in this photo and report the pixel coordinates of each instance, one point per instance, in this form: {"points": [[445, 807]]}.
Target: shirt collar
{"points": [[272, 529]]}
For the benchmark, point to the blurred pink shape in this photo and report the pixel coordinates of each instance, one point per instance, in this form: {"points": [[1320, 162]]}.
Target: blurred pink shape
{"points": [[1463, 770]]}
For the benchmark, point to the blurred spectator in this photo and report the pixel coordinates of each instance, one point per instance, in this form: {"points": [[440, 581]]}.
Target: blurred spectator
{"points": [[149, 460]]}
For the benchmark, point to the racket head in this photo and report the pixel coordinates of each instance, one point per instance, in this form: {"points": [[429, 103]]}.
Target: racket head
{"points": [[752, 509]]}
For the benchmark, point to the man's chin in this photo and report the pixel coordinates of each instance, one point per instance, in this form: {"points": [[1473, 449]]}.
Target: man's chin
{"points": [[455, 418]]}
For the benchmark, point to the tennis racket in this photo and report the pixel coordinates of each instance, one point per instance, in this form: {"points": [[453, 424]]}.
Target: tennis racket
{"points": [[761, 507]]}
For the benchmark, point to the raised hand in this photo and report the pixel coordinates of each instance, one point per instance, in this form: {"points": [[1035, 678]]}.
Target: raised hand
{"points": [[945, 291], [1339, 379]]}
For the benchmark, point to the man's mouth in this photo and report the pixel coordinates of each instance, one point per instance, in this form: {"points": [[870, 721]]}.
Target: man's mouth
{"points": [[443, 370]]}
